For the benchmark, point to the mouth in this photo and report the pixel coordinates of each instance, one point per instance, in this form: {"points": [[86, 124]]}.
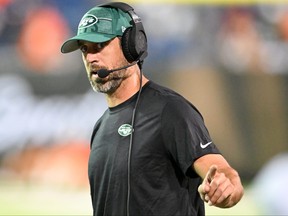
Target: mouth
{"points": [[93, 72], [93, 69], [95, 78]]}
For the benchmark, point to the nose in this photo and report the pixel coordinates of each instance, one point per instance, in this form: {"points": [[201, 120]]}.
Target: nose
{"points": [[91, 57]]}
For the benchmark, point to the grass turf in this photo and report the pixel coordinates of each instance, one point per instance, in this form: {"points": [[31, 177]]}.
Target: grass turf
{"points": [[17, 198]]}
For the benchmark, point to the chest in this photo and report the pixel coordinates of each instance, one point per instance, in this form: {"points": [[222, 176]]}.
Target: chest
{"points": [[112, 141]]}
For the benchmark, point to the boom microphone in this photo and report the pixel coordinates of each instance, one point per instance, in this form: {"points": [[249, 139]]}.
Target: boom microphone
{"points": [[102, 73]]}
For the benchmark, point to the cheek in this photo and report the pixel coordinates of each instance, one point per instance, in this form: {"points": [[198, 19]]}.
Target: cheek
{"points": [[115, 52], [84, 59], [85, 62]]}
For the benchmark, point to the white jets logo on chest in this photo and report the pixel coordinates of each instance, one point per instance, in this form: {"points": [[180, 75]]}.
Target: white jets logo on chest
{"points": [[125, 130]]}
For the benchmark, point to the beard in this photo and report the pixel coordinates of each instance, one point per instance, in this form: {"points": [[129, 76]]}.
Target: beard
{"points": [[109, 84]]}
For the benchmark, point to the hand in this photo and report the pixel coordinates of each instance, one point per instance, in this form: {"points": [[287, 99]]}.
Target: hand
{"points": [[216, 189]]}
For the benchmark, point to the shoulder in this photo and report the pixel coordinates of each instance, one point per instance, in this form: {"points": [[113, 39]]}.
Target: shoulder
{"points": [[160, 92], [171, 102], [97, 124]]}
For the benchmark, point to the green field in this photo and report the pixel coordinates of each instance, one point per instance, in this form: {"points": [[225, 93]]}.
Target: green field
{"points": [[24, 199]]}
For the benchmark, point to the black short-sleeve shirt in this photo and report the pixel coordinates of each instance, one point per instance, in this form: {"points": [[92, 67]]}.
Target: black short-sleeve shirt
{"points": [[169, 135]]}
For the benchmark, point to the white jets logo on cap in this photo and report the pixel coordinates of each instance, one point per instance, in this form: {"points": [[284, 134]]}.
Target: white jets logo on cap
{"points": [[87, 21]]}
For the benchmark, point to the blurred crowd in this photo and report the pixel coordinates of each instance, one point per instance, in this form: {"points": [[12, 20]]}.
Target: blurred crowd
{"points": [[239, 38], [45, 98]]}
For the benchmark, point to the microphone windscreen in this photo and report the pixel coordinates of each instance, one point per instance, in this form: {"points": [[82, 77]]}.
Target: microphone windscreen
{"points": [[102, 73]]}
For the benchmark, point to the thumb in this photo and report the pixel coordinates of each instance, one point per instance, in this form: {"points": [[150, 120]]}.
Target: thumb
{"points": [[210, 174]]}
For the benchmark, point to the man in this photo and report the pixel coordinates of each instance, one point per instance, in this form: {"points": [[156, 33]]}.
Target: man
{"points": [[151, 153]]}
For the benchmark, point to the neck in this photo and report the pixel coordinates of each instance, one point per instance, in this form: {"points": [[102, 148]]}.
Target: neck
{"points": [[127, 89]]}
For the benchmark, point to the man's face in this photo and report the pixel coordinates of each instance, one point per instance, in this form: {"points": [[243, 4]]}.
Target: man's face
{"points": [[107, 55]]}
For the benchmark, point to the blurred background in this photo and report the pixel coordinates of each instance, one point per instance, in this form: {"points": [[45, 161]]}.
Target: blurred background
{"points": [[229, 60]]}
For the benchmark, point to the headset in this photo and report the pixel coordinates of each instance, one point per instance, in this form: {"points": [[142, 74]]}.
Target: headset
{"points": [[134, 40]]}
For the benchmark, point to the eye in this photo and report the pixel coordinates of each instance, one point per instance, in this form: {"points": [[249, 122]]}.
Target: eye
{"points": [[84, 48], [101, 45]]}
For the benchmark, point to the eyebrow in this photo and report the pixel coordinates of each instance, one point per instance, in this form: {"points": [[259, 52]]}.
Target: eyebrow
{"points": [[81, 42]]}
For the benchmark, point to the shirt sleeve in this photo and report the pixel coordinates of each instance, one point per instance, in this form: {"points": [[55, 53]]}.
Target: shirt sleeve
{"points": [[185, 134]]}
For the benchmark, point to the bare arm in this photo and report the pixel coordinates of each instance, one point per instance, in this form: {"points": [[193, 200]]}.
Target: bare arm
{"points": [[221, 184]]}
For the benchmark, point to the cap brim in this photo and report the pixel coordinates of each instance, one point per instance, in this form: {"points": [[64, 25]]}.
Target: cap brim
{"points": [[73, 43]]}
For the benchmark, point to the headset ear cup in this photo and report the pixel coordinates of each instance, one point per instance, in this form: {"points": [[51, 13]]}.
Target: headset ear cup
{"points": [[126, 45]]}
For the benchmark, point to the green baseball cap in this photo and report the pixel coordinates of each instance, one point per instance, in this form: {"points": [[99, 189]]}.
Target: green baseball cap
{"points": [[98, 25]]}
